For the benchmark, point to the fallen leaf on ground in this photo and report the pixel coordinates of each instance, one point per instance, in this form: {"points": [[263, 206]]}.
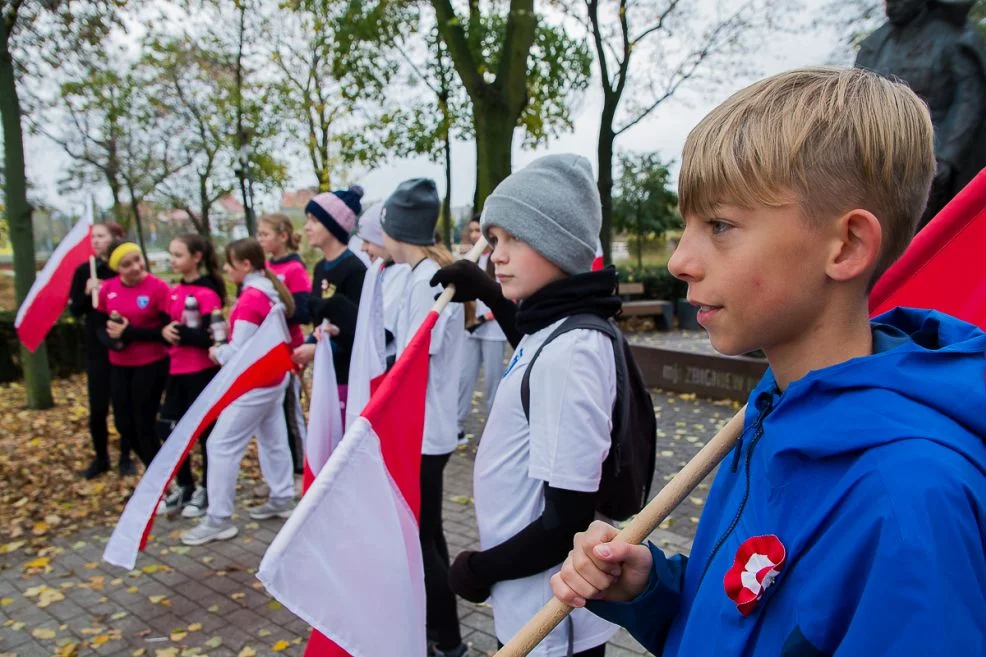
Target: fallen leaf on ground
{"points": [[43, 633], [213, 642], [70, 649], [247, 652], [280, 646]]}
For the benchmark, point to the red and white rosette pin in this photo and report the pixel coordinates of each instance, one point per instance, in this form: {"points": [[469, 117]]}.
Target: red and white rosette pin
{"points": [[758, 561]]}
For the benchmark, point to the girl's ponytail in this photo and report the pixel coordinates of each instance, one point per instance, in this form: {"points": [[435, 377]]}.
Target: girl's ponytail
{"points": [[282, 291], [249, 249]]}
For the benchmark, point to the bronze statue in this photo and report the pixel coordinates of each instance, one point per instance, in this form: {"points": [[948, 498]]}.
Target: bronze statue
{"points": [[930, 45]]}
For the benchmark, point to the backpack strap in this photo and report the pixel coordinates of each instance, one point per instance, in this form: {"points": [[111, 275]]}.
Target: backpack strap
{"points": [[592, 323]]}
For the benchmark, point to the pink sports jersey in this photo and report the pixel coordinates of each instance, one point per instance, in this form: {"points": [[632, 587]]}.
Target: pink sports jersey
{"points": [[186, 359], [295, 277], [252, 306], [142, 305]]}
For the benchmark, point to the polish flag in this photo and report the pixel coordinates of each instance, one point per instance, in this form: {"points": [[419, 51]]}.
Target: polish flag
{"points": [[325, 416], [368, 364], [598, 263], [942, 268], [262, 362], [349, 555], [48, 297]]}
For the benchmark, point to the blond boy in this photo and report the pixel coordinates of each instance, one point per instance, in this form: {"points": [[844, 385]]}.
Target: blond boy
{"points": [[849, 519]]}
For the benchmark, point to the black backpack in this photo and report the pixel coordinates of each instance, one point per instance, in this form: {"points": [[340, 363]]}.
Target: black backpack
{"points": [[629, 467]]}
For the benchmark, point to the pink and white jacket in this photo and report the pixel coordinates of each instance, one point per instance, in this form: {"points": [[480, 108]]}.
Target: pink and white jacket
{"points": [[257, 297]]}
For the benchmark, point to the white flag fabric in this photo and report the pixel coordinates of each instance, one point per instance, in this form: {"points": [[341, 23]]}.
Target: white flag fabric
{"points": [[369, 359], [363, 514], [263, 361], [324, 413]]}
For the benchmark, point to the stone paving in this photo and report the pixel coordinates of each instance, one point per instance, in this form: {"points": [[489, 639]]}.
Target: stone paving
{"points": [[182, 602]]}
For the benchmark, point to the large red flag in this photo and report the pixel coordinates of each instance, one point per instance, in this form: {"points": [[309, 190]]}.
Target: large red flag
{"points": [[356, 529], [263, 361], [943, 267], [48, 297]]}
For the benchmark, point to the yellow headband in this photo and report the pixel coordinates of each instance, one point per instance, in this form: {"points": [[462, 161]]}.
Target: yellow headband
{"points": [[121, 252]]}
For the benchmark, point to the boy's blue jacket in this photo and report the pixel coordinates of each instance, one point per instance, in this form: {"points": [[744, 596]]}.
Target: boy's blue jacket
{"points": [[867, 481]]}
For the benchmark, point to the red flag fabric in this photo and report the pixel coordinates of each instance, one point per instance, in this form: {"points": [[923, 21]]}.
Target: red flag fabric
{"points": [[262, 362], [943, 268], [47, 298], [357, 527]]}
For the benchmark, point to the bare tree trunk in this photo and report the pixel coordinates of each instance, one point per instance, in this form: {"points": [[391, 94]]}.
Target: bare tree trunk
{"points": [[37, 377], [135, 205]]}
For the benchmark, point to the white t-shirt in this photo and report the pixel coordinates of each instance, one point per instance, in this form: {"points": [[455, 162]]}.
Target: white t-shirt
{"points": [[442, 402], [490, 330], [573, 389], [394, 281]]}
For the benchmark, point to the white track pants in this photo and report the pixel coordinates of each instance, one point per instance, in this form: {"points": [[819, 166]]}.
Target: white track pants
{"points": [[258, 413], [489, 353]]}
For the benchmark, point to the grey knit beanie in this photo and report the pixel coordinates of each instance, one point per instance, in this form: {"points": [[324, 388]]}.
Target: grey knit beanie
{"points": [[411, 212], [553, 205]]}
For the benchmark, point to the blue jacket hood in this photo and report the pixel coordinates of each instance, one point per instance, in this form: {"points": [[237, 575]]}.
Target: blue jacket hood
{"points": [[925, 379]]}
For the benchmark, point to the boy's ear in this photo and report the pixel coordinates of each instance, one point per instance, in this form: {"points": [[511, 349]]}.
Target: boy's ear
{"points": [[856, 246]]}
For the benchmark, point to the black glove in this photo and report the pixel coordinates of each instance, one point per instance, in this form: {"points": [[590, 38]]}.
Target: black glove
{"points": [[464, 582], [470, 282]]}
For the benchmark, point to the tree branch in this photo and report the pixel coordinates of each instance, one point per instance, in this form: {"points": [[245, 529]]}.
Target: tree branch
{"points": [[511, 77], [659, 24], [455, 38], [592, 8]]}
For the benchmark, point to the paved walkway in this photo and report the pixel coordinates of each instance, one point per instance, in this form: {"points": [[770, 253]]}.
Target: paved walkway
{"points": [[183, 602]]}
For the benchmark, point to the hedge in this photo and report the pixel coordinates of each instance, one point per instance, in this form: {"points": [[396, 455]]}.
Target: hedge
{"points": [[65, 343], [658, 282]]}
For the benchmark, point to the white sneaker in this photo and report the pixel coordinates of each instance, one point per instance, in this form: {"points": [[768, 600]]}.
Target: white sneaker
{"points": [[197, 506], [209, 529], [273, 509]]}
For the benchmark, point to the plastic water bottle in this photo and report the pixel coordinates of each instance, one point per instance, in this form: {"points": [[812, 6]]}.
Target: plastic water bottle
{"points": [[217, 325], [191, 317]]}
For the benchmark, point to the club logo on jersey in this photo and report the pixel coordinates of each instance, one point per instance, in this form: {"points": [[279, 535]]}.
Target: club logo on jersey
{"points": [[143, 301], [328, 289], [758, 562], [111, 295]]}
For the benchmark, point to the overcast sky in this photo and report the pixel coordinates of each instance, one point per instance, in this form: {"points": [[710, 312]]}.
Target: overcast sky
{"points": [[664, 131]]}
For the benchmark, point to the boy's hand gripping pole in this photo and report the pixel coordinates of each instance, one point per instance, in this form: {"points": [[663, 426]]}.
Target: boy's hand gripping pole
{"points": [[473, 256], [637, 530]]}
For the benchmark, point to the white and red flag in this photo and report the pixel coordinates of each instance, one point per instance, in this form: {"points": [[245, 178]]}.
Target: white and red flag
{"points": [[598, 262], [262, 362], [48, 297], [325, 415], [350, 555]]}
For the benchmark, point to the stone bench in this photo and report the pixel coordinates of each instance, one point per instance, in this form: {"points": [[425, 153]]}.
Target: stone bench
{"points": [[661, 311]]}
